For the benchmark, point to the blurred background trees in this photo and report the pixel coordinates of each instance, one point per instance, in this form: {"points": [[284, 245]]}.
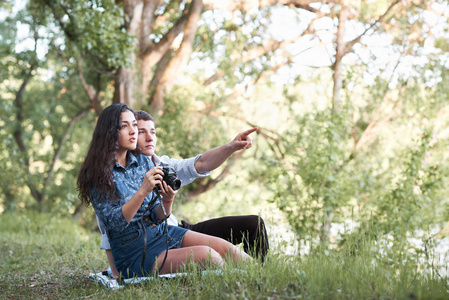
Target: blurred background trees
{"points": [[350, 98]]}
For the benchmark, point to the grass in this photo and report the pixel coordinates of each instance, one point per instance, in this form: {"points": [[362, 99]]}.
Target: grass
{"points": [[46, 257]]}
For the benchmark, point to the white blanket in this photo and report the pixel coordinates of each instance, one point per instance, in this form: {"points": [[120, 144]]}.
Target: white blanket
{"points": [[105, 278]]}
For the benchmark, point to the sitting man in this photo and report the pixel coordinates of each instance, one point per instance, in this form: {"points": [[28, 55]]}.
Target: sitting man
{"points": [[249, 229]]}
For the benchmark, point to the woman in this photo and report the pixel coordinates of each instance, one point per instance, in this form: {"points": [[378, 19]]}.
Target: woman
{"points": [[120, 187]]}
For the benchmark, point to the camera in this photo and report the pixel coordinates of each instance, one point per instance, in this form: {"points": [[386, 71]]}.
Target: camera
{"points": [[171, 178]]}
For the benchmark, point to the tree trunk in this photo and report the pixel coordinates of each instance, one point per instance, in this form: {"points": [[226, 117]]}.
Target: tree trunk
{"points": [[340, 49], [181, 57], [124, 77], [18, 137], [123, 88]]}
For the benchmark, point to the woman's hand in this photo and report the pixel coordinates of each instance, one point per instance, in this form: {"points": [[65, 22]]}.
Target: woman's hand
{"points": [[167, 193], [152, 178], [168, 196]]}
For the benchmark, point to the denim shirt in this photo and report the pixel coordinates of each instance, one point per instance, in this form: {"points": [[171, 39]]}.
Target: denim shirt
{"points": [[127, 181], [186, 172]]}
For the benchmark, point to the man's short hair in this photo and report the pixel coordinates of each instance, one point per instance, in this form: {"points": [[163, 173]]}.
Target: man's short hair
{"points": [[143, 115]]}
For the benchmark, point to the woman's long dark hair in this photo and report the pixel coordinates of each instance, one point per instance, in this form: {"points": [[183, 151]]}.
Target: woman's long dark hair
{"points": [[96, 171]]}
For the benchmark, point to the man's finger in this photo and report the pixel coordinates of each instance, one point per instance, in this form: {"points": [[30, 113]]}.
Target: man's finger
{"points": [[249, 131]]}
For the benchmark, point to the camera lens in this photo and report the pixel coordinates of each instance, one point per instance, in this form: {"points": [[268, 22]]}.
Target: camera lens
{"points": [[170, 177], [175, 184]]}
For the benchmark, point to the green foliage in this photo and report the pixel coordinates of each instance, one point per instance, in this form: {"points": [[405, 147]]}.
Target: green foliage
{"points": [[315, 181], [95, 27], [227, 40], [177, 134], [45, 132], [327, 175], [50, 110], [410, 196]]}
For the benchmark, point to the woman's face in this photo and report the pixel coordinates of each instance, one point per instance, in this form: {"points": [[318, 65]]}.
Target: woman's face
{"points": [[128, 131]]}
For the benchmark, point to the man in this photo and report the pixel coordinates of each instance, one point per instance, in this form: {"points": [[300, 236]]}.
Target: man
{"points": [[248, 229]]}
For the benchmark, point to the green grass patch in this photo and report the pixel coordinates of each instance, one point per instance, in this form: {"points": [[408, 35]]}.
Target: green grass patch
{"points": [[44, 257]]}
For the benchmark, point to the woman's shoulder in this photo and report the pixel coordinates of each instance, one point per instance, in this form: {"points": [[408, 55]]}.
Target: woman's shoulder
{"points": [[142, 159]]}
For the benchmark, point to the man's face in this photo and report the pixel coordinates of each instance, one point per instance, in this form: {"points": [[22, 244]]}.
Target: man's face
{"points": [[146, 139]]}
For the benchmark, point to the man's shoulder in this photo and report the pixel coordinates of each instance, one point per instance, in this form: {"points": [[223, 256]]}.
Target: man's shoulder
{"points": [[167, 160]]}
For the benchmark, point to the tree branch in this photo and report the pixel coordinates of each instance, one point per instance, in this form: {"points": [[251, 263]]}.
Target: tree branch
{"points": [[254, 53], [234, 5], [19, 114], [151, 54], [351, 43], [90, 90], [149, 7], [60, 147], [161, 67], [374, 122]]}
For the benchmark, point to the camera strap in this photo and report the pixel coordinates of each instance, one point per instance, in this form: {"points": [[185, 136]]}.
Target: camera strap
{"points": [[155, 197]]}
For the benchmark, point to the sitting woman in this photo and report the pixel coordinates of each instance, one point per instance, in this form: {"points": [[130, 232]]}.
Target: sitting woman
{"points": [[246, 229], [121, 188]]}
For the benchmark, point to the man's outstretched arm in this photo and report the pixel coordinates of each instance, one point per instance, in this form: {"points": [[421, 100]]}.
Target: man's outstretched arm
{"points": [[215, 157]]}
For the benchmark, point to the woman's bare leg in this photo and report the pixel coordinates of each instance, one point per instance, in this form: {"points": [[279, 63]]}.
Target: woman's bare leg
{"points": [[114, 271], [198, 248], [178, 258], [223, 247]]}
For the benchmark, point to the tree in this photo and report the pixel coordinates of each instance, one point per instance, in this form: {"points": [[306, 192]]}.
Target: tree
{"points": [[335, 165]]}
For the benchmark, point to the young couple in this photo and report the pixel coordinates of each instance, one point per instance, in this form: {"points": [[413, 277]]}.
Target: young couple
{"points": [[119, 176]]}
